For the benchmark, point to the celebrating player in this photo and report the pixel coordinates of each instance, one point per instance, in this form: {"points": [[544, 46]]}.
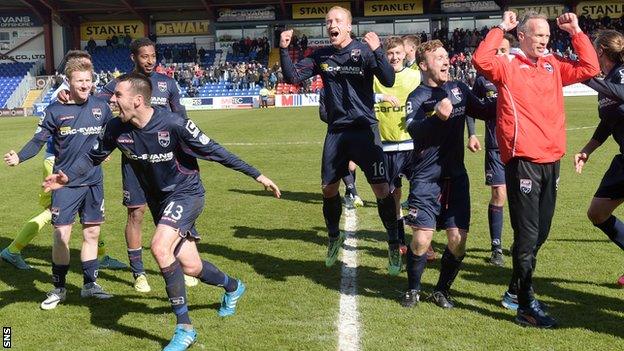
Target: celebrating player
{"points": [[390, 111], [494, 168], [610, 194], [530, 130], [12, 253], [154, 139], [166, 93], [347, 67], [74, 127], [439, 195]]}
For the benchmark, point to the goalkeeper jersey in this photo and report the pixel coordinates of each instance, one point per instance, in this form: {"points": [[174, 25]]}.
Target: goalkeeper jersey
{"points": [[392, 128]]}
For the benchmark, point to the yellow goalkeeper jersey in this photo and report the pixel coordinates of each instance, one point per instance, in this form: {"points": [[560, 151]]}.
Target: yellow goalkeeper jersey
{"points": [[392, 126]]}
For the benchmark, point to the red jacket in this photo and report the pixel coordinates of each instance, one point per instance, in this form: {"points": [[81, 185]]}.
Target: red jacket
{"points": [[530, 117]]}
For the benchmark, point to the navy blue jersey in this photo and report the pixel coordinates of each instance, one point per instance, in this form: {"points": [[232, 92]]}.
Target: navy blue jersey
{"points": [[165, 92], [347, 81], [156, 154], [610, 106], [439, 145], [486, 90], [74, 130]]}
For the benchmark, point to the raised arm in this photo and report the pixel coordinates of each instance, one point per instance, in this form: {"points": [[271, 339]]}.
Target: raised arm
{"points": [[380, 65], [484, 59], [293, 74], [587, 65]]}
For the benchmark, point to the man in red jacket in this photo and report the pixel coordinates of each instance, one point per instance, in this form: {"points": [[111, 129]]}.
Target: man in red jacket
{"points": [[530, 129]]}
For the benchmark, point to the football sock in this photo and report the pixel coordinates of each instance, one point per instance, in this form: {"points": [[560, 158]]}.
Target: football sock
{"points": [[449, 268], [89, 271], [213, 276], [332, 209], [415, 266], [495, 221], [59, 273], [614, 228], [387, 213], [349, 182], [135, 257], [101, 249], [401, 230], [176, 291], [29, 231]]}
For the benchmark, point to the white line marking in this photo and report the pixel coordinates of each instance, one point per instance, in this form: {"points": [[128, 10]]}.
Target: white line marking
{"points": [[348, 319]]}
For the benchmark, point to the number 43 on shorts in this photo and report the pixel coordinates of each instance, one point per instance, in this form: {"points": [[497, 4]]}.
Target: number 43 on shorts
{"points": [[173, 211]]}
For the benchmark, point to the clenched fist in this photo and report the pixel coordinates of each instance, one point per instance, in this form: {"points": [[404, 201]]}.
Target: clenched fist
{"points": [[372, 40], [285, 38], [443, 109]]}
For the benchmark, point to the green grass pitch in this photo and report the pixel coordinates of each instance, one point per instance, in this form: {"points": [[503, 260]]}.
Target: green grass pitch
{"points": [[277, 247]]}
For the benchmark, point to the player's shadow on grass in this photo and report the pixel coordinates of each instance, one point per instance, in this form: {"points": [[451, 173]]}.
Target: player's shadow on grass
{"points": [[280, 269], [298, 196], [103, 313], [279, 234], [573, 308]]}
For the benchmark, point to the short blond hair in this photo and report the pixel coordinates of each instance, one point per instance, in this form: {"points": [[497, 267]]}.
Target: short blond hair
{"points": [[393, 42], [349, 17], [428, 46], [78, 65]]}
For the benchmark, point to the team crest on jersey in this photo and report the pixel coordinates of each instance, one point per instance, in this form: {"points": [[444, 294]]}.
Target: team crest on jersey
{"points": [[162, 86], [97, 113], [526, 185], [163, 138], [548, 67], [457, 93], [356, 54]]}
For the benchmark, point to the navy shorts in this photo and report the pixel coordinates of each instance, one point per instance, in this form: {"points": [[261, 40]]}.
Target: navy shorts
{"points": [[362, 146], [179, 213], [397, 166], [133, 195], [86, 201], [612, 184], [440, 205], [494, 168]]}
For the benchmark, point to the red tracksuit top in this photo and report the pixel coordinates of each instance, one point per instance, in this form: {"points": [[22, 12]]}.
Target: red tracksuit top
{"points": [[530, 117]]}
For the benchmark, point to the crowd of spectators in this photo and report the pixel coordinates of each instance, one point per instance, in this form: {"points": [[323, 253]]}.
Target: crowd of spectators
{"points": [[185, 63]]}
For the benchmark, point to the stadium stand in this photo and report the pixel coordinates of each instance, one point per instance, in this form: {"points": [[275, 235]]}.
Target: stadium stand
{"points": [[11, 75]]}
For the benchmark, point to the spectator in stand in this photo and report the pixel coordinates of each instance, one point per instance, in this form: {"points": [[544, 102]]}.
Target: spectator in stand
{"points": [[115, 41], [109, 44], [168, 55], [127, 40], [264, 98], [202, 54], [304, 43], [91, 45]]}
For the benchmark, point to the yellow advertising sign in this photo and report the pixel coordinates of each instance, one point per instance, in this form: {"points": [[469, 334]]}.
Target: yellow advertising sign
{"points": [[104, 30], [393, 8], [597, 9], [173, 28], [552, 11], [316, 9]]}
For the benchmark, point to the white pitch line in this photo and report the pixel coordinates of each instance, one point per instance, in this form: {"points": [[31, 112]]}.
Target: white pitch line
{"points": [[348, 318]]}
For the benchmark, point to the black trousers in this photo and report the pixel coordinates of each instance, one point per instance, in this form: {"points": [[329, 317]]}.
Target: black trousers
{"points": [[532, 194]]}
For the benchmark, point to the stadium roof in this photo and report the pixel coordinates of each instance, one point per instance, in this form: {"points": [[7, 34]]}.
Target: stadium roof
{"points": [[76, 11]]}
